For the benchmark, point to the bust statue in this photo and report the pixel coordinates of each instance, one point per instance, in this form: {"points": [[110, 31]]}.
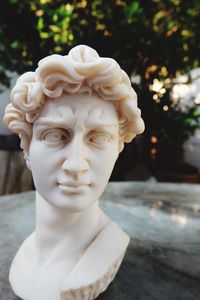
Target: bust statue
{"points": [[73, 115]]}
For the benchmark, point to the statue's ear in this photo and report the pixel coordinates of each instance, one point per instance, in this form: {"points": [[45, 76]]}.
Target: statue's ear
{"points": [[25, 144], [28, 162], [121, 146]]}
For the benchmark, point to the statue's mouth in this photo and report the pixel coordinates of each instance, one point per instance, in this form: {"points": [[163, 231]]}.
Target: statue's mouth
{"points": [[74, 187]]}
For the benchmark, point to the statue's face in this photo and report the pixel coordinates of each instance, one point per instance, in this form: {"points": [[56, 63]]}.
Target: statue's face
{"points": [[73, 150]]}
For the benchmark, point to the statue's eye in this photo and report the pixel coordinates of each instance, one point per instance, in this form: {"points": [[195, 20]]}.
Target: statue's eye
{"points": [[56, 136], [99, 138]]}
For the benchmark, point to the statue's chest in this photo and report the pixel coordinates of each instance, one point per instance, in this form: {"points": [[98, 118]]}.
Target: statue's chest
{"points": [[43, 284], [37, 280]]}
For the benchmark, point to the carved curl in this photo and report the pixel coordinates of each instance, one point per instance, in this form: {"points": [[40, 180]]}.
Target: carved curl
{"points": [[81, 71]]}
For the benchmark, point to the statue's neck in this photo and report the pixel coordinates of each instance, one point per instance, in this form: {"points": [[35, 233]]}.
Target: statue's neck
{"points": [[61, 232]]}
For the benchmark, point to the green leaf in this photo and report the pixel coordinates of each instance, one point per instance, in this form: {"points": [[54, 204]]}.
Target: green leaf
{"points": [[54, 28], [15, 44], [132, 9], [40, 24]]}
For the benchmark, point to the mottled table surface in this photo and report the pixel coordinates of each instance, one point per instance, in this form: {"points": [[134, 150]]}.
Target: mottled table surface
{"points": [[163, 220]]}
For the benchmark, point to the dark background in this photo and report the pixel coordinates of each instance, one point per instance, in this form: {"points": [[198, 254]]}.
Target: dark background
{"points": [[153, 41]]}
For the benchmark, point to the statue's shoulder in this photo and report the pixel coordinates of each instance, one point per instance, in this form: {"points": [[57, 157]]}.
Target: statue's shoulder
{"points": [[98, 265], [111, 240]]}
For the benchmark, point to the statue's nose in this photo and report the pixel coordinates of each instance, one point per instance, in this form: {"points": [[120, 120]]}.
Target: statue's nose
{"points": [[76, 160]]}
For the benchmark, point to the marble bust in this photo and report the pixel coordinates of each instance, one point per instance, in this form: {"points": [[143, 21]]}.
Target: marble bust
{"points": [[73, 115]]}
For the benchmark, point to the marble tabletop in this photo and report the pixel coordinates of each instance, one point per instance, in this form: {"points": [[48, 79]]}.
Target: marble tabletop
{"points": [[163, 221]]}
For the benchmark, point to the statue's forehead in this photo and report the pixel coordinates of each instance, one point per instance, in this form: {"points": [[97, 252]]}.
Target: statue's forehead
{"points": [[82, 108], [71, 110]]}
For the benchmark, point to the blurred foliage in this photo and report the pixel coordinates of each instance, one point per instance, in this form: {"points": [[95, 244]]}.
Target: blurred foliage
{"points": [[173, 123], [152, 38], [149, 38]]}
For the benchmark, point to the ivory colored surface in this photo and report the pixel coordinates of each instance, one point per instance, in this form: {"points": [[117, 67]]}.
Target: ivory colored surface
{"points": [[163, 221], [73, 115], [73, 149]]}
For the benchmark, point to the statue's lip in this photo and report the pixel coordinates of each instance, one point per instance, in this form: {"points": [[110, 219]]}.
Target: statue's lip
{"points": [[73, 184], [73, 187]]}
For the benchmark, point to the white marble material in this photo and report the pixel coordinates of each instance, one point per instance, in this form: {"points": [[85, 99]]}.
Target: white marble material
{"points": [[73, 114]]}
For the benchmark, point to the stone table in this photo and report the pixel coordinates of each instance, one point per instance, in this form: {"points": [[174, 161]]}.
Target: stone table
{"points": [[163, 220]]}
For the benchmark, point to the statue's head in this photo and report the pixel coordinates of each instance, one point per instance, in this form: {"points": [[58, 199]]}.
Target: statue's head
{"points": [[73, 115]]}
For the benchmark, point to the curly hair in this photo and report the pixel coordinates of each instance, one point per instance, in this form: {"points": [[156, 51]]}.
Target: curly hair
{"points": [[81, 71]]}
